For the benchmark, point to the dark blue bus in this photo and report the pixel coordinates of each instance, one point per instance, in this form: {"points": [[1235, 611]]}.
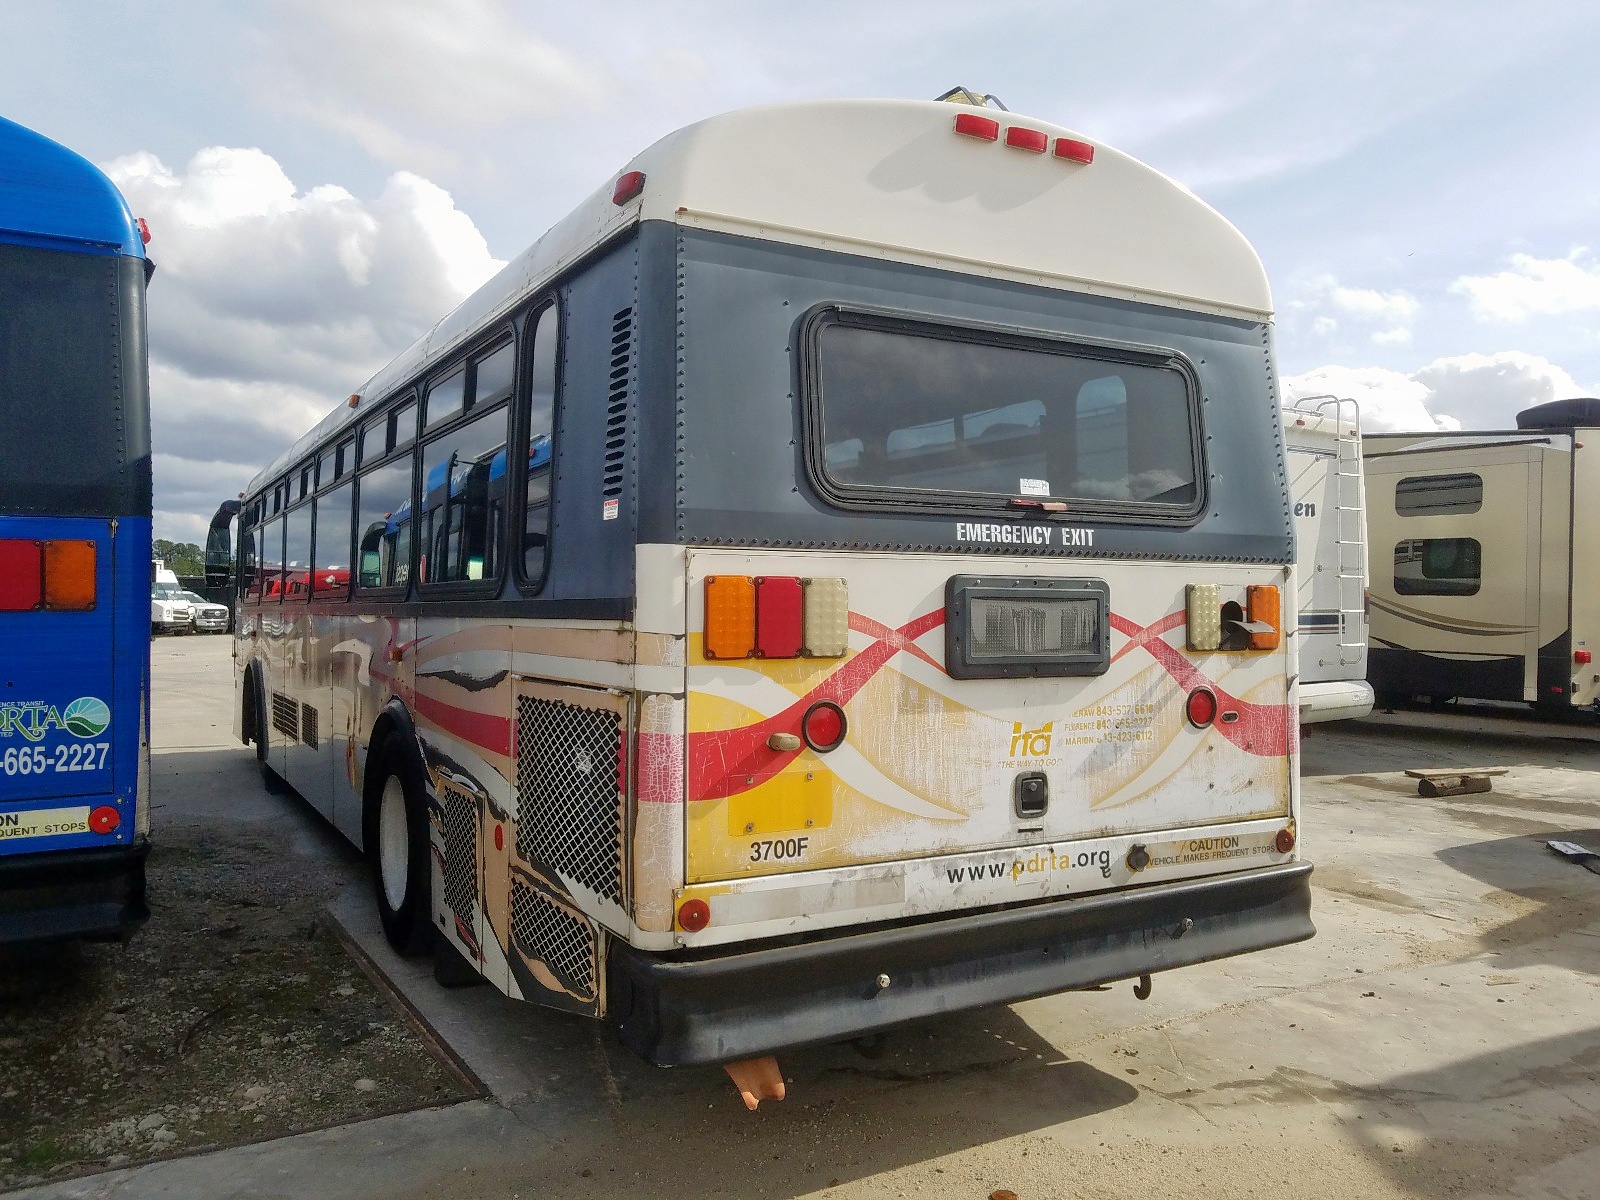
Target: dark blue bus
{"points": [[75, 509]]}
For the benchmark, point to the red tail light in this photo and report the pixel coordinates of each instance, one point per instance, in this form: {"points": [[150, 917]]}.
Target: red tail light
{"points": [[21, 575], [1582, 657], [779, 628], [1202, 707], [824, 726]]}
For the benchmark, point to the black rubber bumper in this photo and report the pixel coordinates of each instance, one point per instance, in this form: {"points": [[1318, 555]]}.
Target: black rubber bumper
{"points": [[72, 894], [710, 1008]]}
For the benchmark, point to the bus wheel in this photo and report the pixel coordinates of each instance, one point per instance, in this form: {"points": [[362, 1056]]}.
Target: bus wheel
{"points": [[270, 779], [402, 878]]}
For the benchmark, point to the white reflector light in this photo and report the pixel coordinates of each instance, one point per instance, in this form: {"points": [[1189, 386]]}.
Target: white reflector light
{"points": [[827, 617]]}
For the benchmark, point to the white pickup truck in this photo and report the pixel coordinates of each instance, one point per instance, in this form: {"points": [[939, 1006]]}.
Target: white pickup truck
{"points": [[170, 612]]}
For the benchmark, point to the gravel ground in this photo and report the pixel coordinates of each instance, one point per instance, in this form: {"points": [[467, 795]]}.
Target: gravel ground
{"points": [[235, 1015]]}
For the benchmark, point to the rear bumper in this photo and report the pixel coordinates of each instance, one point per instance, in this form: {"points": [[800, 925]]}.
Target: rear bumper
{"points": [[72, 894], [724, 1007], [1342, 700]]}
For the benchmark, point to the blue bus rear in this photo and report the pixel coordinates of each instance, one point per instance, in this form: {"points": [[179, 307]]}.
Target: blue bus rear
{"points": [[75, 533]]}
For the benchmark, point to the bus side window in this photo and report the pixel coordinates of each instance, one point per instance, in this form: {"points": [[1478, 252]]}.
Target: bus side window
{"points": [[247, 563], [330, 552], [271, 574], [297, 554], [463, 483], [383, 524], [541, 426]]}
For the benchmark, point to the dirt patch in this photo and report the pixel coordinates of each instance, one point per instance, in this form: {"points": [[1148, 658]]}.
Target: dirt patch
{"points": [[234, 1015]]}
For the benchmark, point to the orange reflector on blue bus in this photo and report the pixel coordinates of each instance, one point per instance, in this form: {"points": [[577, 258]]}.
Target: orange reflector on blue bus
{"points": [[776, 616], [69, 576]]}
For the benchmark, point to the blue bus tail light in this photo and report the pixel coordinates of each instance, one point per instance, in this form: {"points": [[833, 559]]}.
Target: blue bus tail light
{"points": [[21, 575]]}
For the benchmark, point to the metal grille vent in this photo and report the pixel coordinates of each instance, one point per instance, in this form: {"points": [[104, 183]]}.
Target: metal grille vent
{"points": [[308, 725], [549, 933], [617, 404], [460, 853], [285, 715], [569, 806]]}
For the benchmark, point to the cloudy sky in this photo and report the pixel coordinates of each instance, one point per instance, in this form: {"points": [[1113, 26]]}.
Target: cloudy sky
{"points": [[325, 179]]}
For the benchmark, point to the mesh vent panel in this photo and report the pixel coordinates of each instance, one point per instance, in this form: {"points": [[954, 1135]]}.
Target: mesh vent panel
{"points": [[308, 725], [460, 853], [617, 404], [569, 807], [547, 932], [285, 715]]}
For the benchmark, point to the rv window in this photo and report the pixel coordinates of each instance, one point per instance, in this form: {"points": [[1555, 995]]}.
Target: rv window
{"points": [[1426, 495], [1438, 567], [913, 413]]}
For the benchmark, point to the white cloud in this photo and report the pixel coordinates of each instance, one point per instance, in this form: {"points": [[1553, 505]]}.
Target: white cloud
{"points": [[269, 304], [1534, 287], [1472, 391], [1384, 317], [408, 81]]}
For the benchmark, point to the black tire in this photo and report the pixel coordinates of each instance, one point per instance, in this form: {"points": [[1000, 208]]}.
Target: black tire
{"points": [[402, 877], [270, 779]]}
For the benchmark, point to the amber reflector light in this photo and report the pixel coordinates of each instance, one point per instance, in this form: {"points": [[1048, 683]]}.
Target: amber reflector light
{"points": [[69, 576]]}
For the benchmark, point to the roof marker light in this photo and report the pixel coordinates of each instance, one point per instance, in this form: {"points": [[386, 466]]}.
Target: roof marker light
{"points": [[1035, 141], [1074, 150], [355, 399], [144, 230], [629, 185], [972, 125]]}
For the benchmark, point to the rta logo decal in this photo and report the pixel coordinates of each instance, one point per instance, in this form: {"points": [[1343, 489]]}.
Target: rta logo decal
{"points": [[1031, 743]]}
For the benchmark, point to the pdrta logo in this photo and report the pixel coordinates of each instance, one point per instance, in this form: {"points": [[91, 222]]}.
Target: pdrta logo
{"points": [[87, 716]]}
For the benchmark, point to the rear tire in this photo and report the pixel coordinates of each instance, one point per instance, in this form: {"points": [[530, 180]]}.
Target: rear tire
{"points": [[402, 877]]}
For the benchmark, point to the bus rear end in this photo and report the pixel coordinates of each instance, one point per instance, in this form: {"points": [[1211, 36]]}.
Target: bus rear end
{"points": [[980, 550], [74, 549]]}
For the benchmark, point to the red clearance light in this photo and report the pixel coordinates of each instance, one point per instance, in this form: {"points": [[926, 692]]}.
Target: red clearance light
{"points": [[780, 630], [824, 726], [629, 185], [1074, 150], [1582, 657], [21, 575], [1202, 707], [694, 915], [972, 125], [1033, 140], [144, 230]]}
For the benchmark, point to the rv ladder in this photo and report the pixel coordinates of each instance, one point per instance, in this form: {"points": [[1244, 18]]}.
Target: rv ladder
{"points": [[1349, 529]]}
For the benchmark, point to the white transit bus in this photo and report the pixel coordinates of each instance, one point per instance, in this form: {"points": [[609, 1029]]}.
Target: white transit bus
{"points": [[841, 573]]}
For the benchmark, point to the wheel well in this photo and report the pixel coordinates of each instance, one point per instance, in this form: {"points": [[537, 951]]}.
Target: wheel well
{"points": [[385, 728], [247, 714]]}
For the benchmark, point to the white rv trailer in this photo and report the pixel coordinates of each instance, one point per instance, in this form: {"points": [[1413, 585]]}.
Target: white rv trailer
{"points": [[1322, 440], [1494, 588], [834, 577]]}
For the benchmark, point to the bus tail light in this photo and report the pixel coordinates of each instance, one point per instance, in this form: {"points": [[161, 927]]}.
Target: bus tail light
{"points": [[21, 575], [1204, 605], [46, 575], [824, 726], [69, 576], [776, 616], [1263, 606], [1202, 707], [1582, 657]]}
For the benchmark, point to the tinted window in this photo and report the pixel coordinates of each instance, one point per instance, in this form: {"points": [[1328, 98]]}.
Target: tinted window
{"points": [[331, 556], [446, 397], [541, 418], [74, 422], [297, 553], [933, 412], [383, 526], [248, 561], [492, 377], [1438, 567], [463, 502], [269, 583], [1422, 495]]}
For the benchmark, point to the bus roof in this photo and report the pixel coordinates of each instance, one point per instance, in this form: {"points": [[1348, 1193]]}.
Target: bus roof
{"points": [[50, 195], [891, 179]]}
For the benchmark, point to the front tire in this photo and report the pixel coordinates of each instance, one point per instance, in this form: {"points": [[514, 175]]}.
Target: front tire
{"points": [[402, 878]]}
